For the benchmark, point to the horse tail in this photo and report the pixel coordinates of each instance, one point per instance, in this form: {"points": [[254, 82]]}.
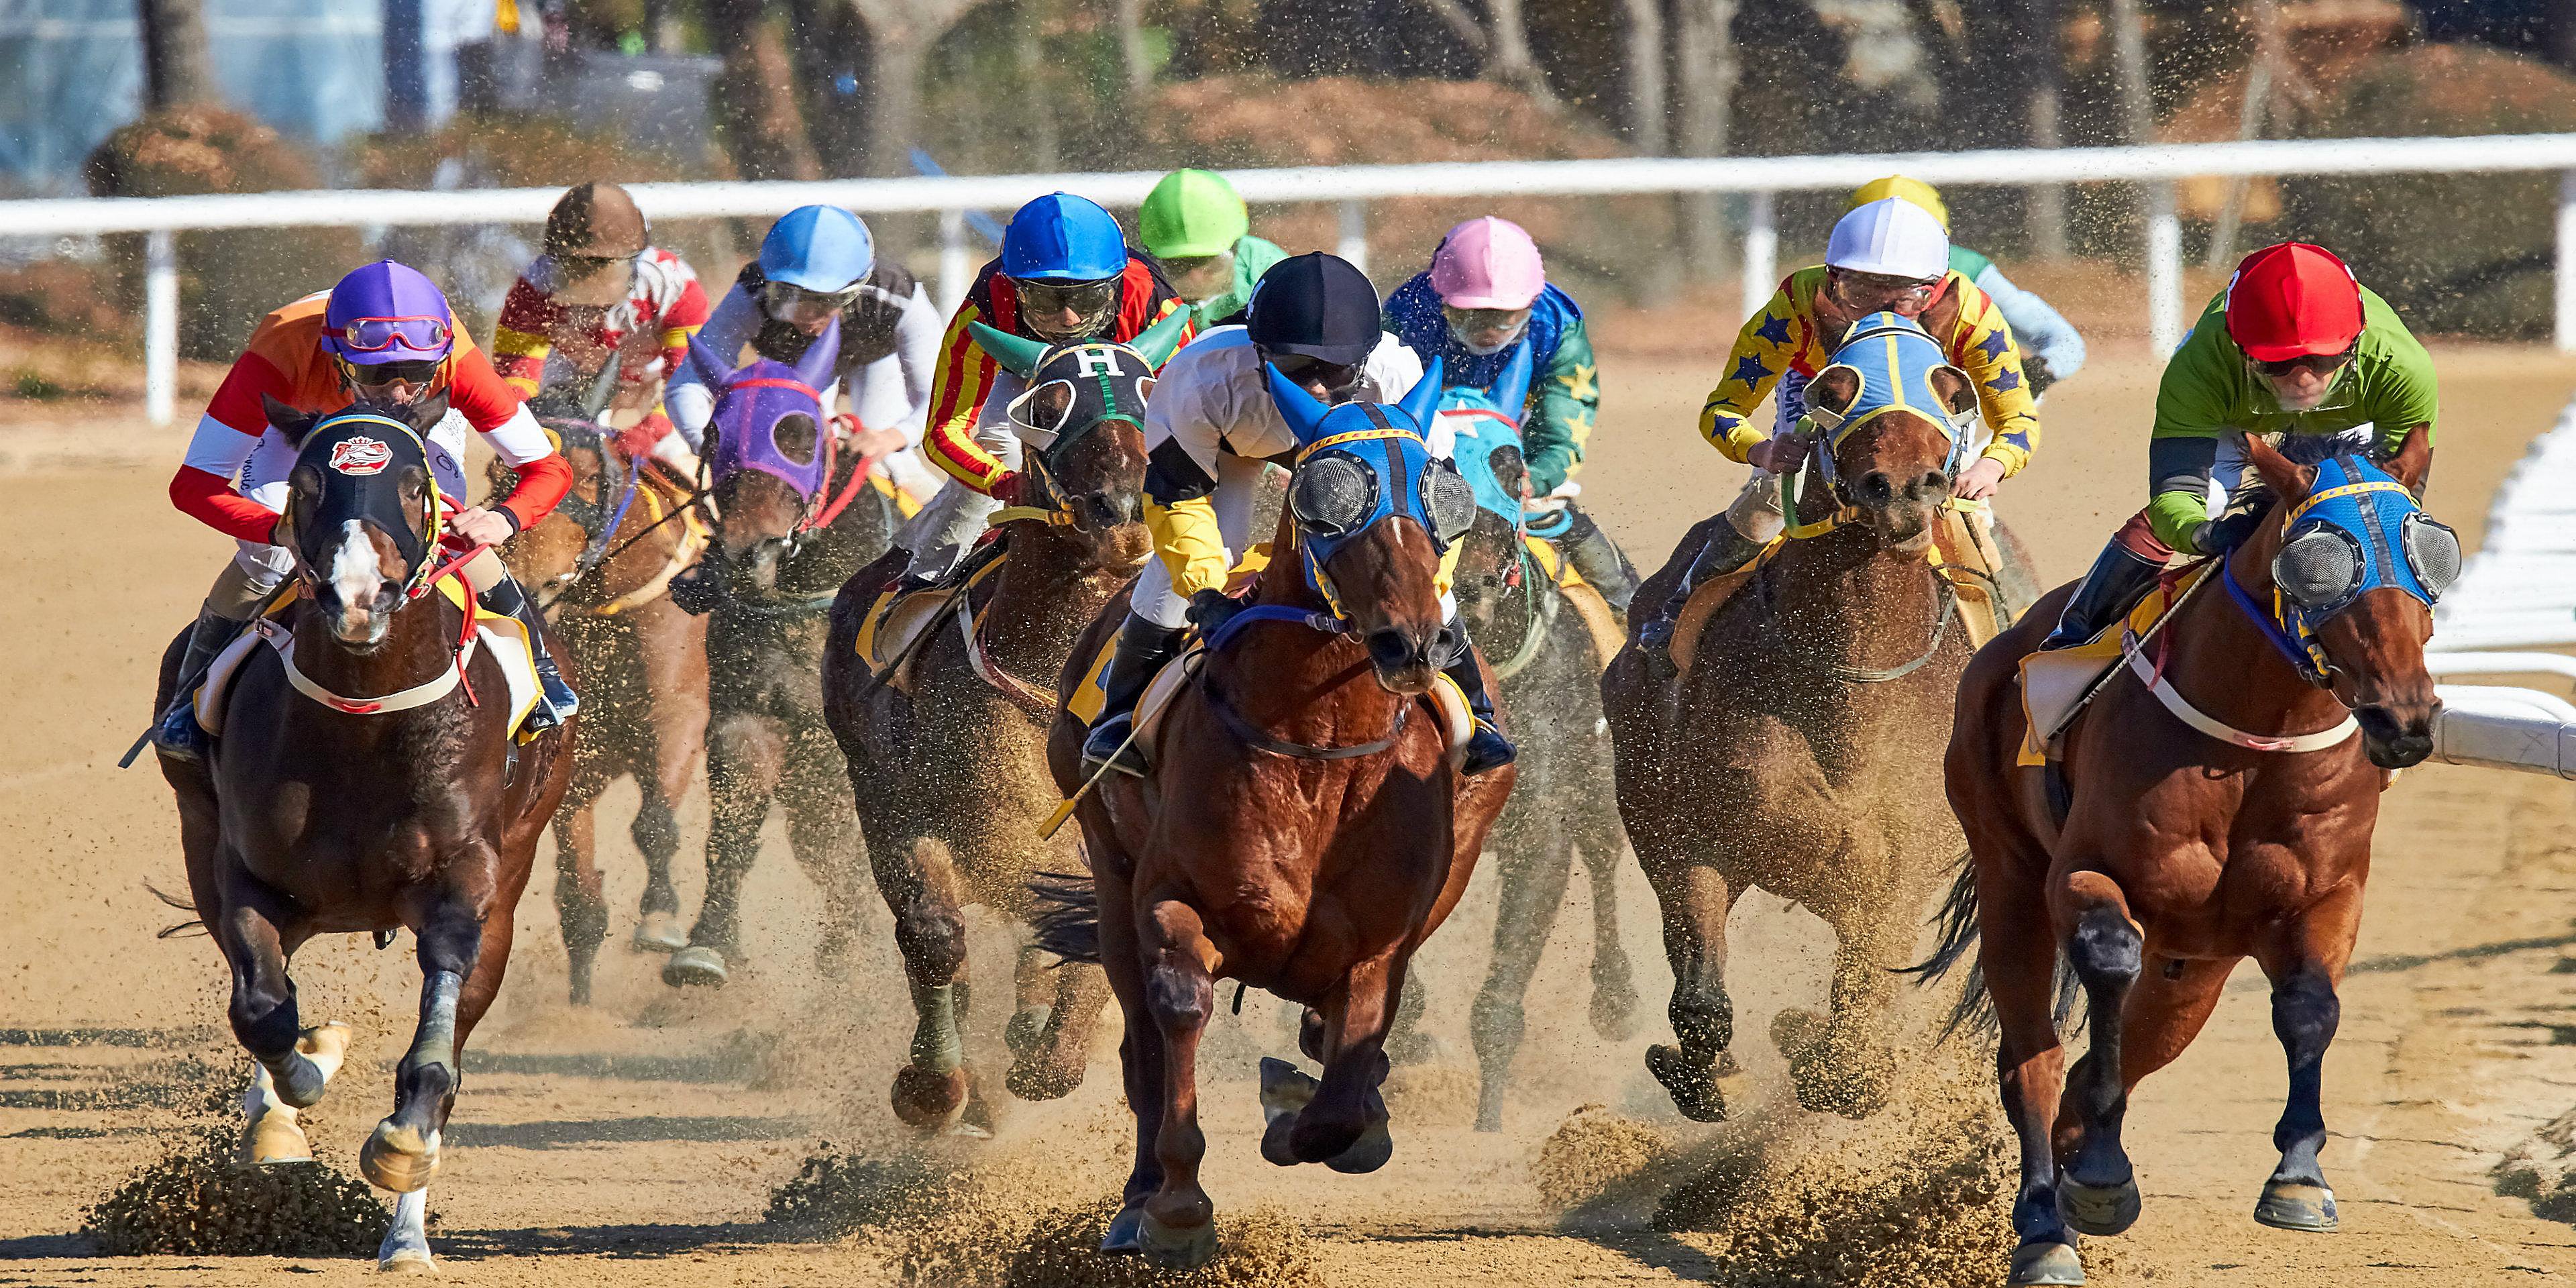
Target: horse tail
{"points": [[193, 923], [1958, 922], [1068, 915]]}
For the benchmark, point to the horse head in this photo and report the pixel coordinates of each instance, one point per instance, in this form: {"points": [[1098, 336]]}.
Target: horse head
{"points": [[1896, 420], [1084, 413], [1374, 516], [769, 455], [1485, 436], [362, 510], [549, 554], [2357, 564]]}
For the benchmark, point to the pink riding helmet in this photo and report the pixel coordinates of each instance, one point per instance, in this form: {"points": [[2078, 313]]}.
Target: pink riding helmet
{"points": [[1487, 263]]}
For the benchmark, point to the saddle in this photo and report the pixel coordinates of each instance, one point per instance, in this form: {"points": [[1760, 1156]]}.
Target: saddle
{"points": [[2058, 684], [503, 637], [900, 621], [1961, 552], [1585, 598]]}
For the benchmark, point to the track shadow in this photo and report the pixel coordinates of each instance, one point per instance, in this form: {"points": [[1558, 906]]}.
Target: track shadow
{"points": [[564, 1133], [637, 1242], [1654, 1250], [716, 1067], [163, 1039]]}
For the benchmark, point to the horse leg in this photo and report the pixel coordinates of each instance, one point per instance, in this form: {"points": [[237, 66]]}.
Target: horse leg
{"points": [[1537, 858], [1059, 1052], [656, 833], [1845, 1068], [2099, 1190], [2018, 958], [745, 759], [457, 933], [930, 1090], [1178, 1227], [1140, 1049], [579, 905], [1614, 988], [675, 735], [1340, 1121], [823, 832], [1696, 901], [293, 1063], [2305, 964]]}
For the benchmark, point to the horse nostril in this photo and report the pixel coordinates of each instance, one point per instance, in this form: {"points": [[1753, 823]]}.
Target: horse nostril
{"points": [[1389, 649], [1876, 487], [1933, 482]]}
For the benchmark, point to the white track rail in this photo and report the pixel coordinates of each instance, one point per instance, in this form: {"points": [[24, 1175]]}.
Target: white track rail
{"points": [[2516, 596]]}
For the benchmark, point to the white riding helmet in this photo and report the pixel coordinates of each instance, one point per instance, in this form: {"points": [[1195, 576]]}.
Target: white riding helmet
{"points": [[1892, 237]]}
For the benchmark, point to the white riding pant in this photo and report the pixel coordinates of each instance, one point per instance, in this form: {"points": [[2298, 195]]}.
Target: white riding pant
{"points": [[2227, 475], [940, 534]]}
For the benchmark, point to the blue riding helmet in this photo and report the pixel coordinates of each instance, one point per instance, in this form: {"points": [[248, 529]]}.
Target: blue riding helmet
{"points": [[1361, 464], [823, 249], [2358, 530], [1063, 238], [1895, 358]]}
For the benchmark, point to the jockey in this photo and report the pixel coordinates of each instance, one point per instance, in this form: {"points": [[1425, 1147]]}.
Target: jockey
{"points": [[2294, 345], [1065, 274], [816, 264], [1887, 255], [2051, 348], [1200, 235], [1210, 430], [1485, 294], [600, 294], [385, 334]]}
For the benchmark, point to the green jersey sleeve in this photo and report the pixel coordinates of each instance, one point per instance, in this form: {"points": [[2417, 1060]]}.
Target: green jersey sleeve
{"points": [[1566, 398]]}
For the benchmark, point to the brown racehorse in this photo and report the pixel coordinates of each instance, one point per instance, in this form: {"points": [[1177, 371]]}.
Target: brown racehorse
{"points": [[601, 564], [318, 813], [1298, 833], [1798, 750], [960, 760], [2165, 856]]}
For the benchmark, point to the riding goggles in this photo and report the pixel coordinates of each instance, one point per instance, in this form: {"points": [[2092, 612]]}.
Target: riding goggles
{"points": [[385, 373], [1339, 379], [1089, 302], [371, 335], [798, 306], [1875, 292], [2314, 362]]}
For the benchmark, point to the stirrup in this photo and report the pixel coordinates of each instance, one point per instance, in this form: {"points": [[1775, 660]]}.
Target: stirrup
{"points": [[1110, 743], [178, 735], [1487, 751]]}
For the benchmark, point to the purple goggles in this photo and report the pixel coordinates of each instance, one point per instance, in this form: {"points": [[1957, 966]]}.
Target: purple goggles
{"points": [[769, 415]]}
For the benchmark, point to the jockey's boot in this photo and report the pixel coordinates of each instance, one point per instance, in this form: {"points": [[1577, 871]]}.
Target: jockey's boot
{"points": [[1726, 551], [556, 702], [2119, 576], [1144, 648], [1487, 748], [179, 736], [1598, 558]]}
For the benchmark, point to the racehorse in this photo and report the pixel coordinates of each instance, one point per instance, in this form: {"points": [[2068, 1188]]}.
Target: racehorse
{"points": [[1797, 745], [366, 780], [1298, 832], [1547, 647], [795, 517], [949, 744], [601, 565], [2174, 842]]}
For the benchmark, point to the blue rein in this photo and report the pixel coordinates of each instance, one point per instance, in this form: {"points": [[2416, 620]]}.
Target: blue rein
{"points": [[2271, 627], [1234, 625]]}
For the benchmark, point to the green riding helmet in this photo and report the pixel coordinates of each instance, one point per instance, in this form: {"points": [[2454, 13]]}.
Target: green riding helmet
{"points": [[1192, 214]]}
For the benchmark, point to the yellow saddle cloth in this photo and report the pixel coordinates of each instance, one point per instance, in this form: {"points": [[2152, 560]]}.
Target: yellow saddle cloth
{"points": [[1598, 617], [2056, 684]]}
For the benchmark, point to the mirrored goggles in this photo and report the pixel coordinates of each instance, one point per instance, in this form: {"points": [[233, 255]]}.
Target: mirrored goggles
{"points": [[385, 373], [1043, 301], [2319, 363], [1337, 378]]}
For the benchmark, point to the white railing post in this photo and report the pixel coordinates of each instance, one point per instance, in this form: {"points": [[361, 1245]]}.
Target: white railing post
{"points": [[160, 326], [953, 269], [2566, 320], [1761, 250], [1353, 245], [2164, 269]]}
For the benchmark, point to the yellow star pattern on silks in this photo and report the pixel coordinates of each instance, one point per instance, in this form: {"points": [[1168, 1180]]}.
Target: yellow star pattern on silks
{"points": [[1579, 386]]}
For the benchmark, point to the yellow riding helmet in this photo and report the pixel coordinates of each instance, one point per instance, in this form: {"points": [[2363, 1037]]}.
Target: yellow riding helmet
{"points": [[1913, 190]]}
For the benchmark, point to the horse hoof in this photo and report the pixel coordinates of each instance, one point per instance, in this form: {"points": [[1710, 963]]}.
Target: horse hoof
{"points": [[1285, 1088], [1693, 1087], [695, 965], [1166, 1248], [1027, 1029], [1367, 1154], [2288, 1206], [274, 1138], [1034, 1078], [926, 1100], [1796, 1031], [2045, 1263], [408, 1261], [1125, 1237], [399, 1158], [660, 932], [2103, 1209]]}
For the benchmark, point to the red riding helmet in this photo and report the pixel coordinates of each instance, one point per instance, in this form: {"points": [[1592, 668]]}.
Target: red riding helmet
{"points": [[2293, 300]]}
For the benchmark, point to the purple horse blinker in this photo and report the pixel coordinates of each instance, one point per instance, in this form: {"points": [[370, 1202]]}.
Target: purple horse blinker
{"points": [[769, 415]]}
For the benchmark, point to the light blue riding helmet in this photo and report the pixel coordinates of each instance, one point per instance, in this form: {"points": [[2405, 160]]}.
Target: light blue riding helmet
{"points": [[823, 249]]}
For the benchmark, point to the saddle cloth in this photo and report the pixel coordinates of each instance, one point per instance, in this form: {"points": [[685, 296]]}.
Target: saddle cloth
{"points": [[1583, 596], [896, 623], [2056, 684], [502, 637], [1961, 551]]}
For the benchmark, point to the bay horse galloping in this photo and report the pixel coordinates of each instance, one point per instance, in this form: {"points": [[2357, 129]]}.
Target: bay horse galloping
{"points": [[1548, 644], [1303, 828], [601, 565], [947, 743], [366, 780], [795, 517], [1794, 743], [2219, 808]]}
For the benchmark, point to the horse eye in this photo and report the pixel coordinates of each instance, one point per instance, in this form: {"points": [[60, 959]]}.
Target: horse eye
{"points": [[2434, 551], [2318, 569], [1332, 493]]}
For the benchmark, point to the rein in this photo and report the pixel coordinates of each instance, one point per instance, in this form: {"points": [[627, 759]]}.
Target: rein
{"points": [[1259, 739], [447, 681], [1538, 615]]}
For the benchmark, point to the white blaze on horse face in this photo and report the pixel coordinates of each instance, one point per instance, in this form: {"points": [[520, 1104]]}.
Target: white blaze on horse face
{"points": [[355, 574]]}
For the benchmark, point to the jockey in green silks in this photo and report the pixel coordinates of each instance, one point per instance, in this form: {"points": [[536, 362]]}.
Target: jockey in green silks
{"points": [[1200, 234]]}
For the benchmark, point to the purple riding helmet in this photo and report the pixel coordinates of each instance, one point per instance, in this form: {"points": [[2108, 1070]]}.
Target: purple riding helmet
{"points": [[756, 424], [388, 312]]}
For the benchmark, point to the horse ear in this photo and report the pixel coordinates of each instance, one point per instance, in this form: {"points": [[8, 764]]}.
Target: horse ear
{"points": [[1833, 389], [712, 367], [1511, 389], [1018, 354], [815, 368], [1422, 401], [286, 420], [1158, 341], [2288, 481], [426, 413], [1305, 415], [2413, 464], [1957, 391]]}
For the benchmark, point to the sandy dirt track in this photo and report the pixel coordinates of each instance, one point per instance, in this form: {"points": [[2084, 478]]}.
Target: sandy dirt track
{"points": [[636, 1143]]}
